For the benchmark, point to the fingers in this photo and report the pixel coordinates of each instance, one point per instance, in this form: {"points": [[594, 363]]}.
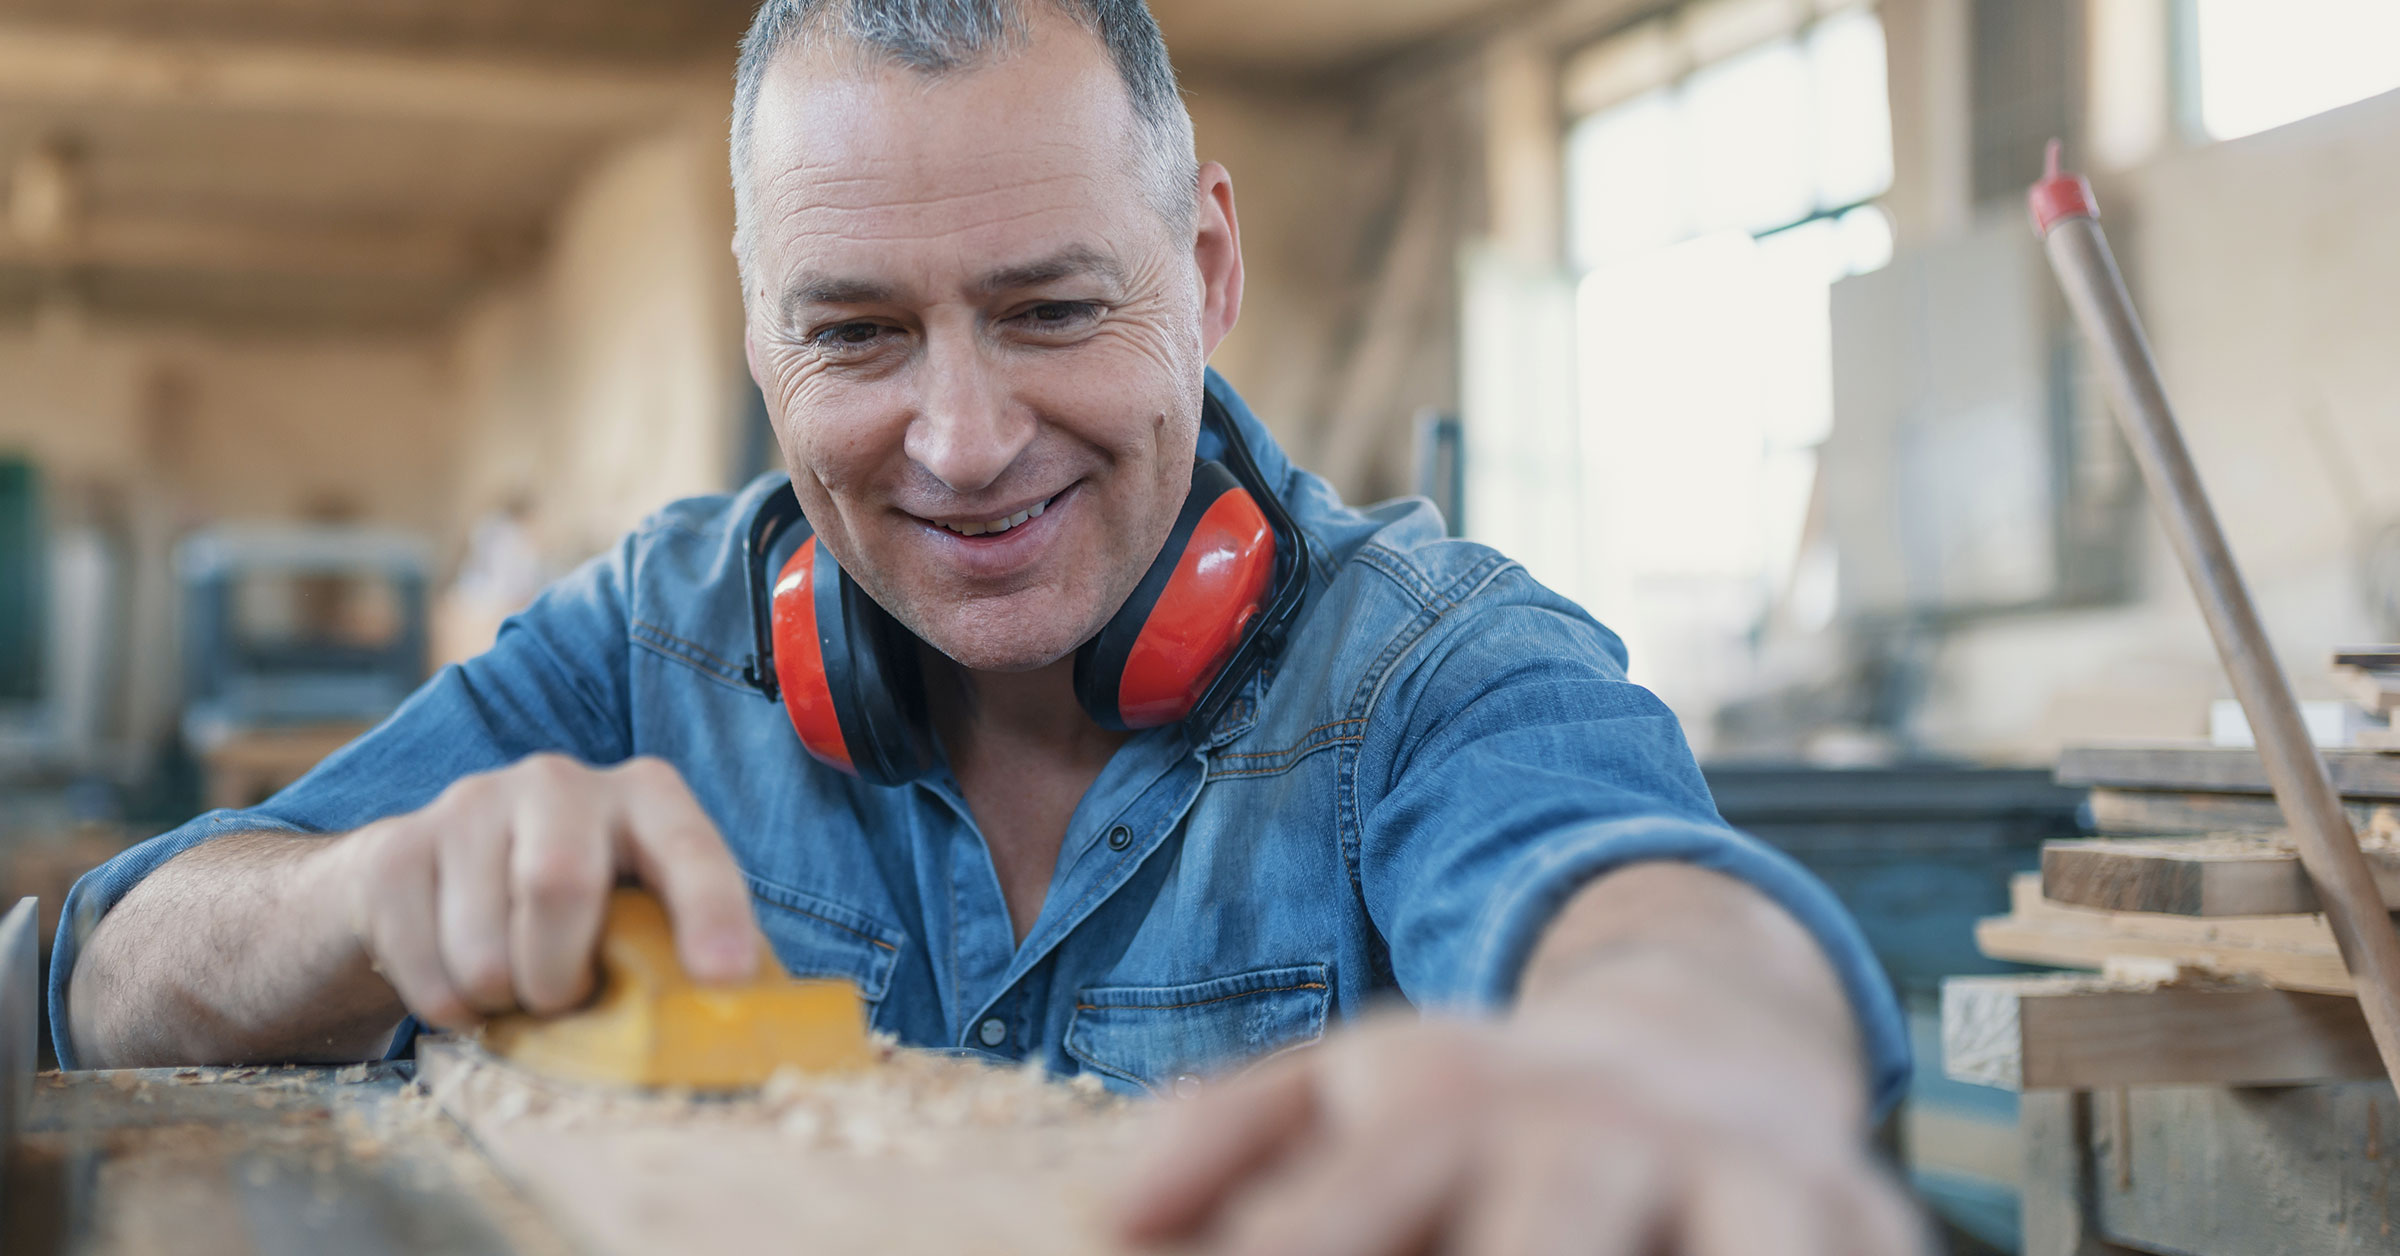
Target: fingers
{"points": [[1381, 1191], [471, 883], [677, 851], [400, 934], [560, 872], [1567, 1189], [1740, 1206], [1210, 1146]]}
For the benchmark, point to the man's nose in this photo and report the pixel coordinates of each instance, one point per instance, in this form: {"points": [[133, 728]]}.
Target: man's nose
{"points": [[967, 429]]}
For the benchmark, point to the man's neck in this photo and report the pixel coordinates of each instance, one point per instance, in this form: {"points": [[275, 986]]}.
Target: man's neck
{"points": [[1024, 753]]}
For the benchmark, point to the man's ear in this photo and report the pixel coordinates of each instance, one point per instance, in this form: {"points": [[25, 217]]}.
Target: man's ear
{"points": [[1217, 248]]}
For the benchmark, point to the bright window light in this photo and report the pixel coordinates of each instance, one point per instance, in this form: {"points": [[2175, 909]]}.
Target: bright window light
{"points": [[1709, 217], [2263, 64]]}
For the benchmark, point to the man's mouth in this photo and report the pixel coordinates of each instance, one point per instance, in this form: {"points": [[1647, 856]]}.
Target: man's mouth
{"points": [[992, 527]]}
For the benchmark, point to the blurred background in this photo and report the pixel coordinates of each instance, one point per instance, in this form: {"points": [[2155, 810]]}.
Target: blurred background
{"points": [[331, 329]]}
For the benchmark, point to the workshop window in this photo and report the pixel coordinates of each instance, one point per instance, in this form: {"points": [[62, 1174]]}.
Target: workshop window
{"points": [[1710, 211], [2252, 66]]}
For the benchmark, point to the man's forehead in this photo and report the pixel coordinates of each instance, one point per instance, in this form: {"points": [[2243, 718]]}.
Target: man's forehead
{"points": [[842, 125]]}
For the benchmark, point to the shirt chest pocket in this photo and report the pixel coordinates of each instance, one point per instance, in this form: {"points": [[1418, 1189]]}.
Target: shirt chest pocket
{"points": [[1151, 1035], [816, 938]]}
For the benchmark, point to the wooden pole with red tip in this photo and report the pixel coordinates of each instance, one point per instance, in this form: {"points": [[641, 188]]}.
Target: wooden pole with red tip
{"points": [[2068, 220]]}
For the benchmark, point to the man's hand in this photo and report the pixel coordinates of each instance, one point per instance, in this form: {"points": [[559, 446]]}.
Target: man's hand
{"points": [[490, 898], [1638, 1102]]}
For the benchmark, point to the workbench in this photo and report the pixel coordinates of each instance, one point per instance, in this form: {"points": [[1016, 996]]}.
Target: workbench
{"points": [[459, 1152], [254, 1160]]}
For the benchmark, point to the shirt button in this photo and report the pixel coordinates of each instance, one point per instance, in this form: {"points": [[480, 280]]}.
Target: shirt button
{"points": [[1120, 837], [992, 1031], [1186, 1085]]}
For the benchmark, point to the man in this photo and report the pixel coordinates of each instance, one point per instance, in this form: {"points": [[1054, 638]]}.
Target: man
{"points": [[984, 275]]}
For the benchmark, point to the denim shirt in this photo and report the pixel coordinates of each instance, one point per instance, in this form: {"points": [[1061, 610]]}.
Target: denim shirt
{"points": [[1443, 754]]}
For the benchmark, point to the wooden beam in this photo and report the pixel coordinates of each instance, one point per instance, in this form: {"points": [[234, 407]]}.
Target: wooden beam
{"points": [[57, 67], [2357, 774], [316, 250], [2142, 812], [2219, 1171], [2070, 1031], [2375, 689], [2205, 876], [2288, 952]]}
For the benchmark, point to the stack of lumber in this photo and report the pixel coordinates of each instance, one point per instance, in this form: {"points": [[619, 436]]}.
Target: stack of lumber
{"points": [[2213, 966], [2370, 677]]}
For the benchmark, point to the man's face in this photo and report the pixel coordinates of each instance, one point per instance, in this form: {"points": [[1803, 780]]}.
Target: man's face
{"points": [[964, 309]]}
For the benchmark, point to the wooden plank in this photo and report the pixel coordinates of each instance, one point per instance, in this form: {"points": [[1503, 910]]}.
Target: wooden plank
{"points": [[2357, 774], [2077, 1032], [923, 1153], [57, 67], [2222, 1171], [2056, 1203], [2288, 952], [2138, 812], [2230, 875], [2375, 689]]}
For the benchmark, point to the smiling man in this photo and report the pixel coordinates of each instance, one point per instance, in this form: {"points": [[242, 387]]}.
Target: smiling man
{"points": [[1104, 737]]}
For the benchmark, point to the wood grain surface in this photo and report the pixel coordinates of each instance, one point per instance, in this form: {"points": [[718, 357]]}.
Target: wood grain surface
{"points": [[921, 1154], [2229, 875], [2079, 1032]]}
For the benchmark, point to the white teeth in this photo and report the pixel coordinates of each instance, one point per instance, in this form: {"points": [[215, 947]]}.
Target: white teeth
{"points": [[990, 526]]}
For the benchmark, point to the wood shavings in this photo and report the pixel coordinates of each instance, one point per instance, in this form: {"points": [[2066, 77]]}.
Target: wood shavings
{"points": [[921, 1153]]}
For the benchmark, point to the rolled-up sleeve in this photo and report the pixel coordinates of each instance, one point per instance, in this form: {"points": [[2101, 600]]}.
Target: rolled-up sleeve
{"points": [[552, 681], [1516, 764]]}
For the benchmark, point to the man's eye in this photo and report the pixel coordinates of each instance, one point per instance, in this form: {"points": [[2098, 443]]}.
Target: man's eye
{"points": [[847, 336], [1059, 315]]}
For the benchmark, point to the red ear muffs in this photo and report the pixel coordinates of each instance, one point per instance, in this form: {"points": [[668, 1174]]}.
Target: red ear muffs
{"points": [[1213, 606], [1163, 649], [848, 673]]}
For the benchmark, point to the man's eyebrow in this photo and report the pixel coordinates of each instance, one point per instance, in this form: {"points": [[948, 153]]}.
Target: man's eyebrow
{"points": [[816, 289], [1080, 259]]}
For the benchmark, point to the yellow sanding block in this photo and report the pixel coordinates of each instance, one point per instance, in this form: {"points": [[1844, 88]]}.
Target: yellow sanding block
{"points": [[651, 1025]]}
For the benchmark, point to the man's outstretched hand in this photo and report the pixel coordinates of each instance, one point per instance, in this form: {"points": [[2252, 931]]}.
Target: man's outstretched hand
{"points": [[1641, 1105]]}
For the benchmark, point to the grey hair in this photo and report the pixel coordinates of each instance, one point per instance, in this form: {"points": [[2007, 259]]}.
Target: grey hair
{"points": [[937, 37]]}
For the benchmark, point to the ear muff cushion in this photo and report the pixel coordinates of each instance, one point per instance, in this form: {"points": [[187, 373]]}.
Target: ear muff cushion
{"points": [[1158, 655], [800, 652]]}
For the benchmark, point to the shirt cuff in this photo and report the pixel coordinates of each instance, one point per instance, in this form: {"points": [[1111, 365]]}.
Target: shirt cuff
{"points": [[1524, 904], [103, 887]]}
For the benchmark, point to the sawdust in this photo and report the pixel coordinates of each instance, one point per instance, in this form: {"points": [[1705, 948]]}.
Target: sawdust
{"points": [[909, 1104], [921, 1152]]}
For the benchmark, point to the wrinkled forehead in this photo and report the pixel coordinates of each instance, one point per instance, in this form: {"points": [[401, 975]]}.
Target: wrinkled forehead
{"points": [[850, 152]]}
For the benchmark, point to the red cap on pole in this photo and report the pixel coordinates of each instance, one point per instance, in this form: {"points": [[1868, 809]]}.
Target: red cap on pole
{"points": [[2059, 195]]}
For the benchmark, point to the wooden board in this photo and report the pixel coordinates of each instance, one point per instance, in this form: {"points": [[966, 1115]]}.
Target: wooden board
{"points": [[2288, 952], [2223, 1171], [2357, 774], [2376, 690], [2077, 1032], [2137, 812], [2059, 1197], [2231, 875], [923, 1154]]}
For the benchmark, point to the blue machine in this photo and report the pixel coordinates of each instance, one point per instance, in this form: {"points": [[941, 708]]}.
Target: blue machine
{"points": [[287, 625]]}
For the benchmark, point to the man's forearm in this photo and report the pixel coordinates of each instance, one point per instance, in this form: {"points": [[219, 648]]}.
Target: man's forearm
{"points": [[1671, 936], [235, 951]]}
